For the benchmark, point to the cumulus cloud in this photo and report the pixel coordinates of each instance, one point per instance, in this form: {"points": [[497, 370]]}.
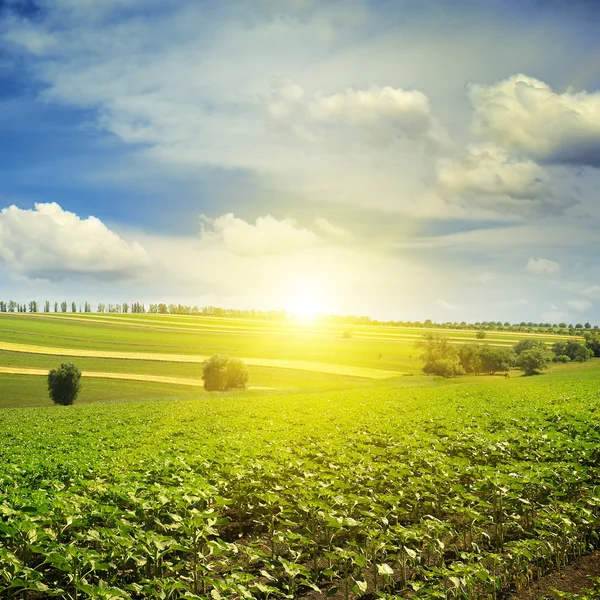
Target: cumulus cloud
{"points": [[542, 266], [378, 115], [488, 177], [51, 243], [580, 305], [524, 114], [266, 236]]}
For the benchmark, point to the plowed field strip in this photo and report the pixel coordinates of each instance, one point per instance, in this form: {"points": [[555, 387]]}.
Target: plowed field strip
{"points": [[300, 365]]}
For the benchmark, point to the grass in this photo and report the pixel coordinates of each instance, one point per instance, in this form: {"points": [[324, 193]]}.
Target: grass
{"points": [[19, 391], [387, 348]]}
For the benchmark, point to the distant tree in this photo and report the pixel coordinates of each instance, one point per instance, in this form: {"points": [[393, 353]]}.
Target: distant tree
{"points": [[47, 306], [439, 356], [33, 306], [125, 307], [574, 349], [562, 325], [480, 335], [73, 307], [494, 360], [469, 356], [528, 344], [579, 326], [2, 306], [63, 307], [64, 384], [56, 307], [562, 358], [221, 372], [587, 325], [532, 362], [101, 307], [12, 306], [592, 341]]}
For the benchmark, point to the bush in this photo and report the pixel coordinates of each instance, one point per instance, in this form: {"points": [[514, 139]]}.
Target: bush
{"points": [[439, 356], [573, 349], [532, 362], [528, 344], [222, 372], [470, 358], [496, 359], [562, 358], [592, 341], [444, 367], [64, 384], [480, 335]]}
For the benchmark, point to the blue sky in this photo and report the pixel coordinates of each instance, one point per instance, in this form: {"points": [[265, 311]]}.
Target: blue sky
{"points": [[403, 159]]}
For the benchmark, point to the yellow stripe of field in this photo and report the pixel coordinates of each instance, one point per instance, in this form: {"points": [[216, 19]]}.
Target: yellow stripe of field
{"points": [[301, 365], [128, 376]]}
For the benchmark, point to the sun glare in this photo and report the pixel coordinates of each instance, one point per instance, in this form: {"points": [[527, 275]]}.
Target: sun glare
{"points": [[305, 302], [305, 306]]}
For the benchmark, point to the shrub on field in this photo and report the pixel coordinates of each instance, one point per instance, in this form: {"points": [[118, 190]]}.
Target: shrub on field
{"points": [[64, 384], [470, 358], [592, 341], [445, 367], [532, 362], [494, 360], [561, 358], [480, 335], [221, 372], [528, 344], [573, 349], [439, 356], [479, 358]]}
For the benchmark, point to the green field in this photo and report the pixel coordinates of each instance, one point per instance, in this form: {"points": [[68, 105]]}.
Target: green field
{"points": [[337, 485]]}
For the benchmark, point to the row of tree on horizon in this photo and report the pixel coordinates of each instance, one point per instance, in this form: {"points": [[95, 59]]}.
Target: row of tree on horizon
{"points": [[281, 315]]}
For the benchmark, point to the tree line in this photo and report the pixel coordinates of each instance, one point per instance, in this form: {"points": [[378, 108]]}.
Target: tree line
{"points": [[440, 357], [561, 328]]}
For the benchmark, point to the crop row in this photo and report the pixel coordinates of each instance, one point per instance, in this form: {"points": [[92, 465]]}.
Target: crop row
{"points": [[427, 493]]}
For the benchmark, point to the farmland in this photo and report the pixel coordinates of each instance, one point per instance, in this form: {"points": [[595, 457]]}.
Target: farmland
{"points": [[332, 483]]}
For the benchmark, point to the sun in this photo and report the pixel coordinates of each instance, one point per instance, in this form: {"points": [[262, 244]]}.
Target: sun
{"points": [[305, 302], [305, 306]]}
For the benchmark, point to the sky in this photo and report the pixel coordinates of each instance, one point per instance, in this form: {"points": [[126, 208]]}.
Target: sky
{"points": [[405, 159]]}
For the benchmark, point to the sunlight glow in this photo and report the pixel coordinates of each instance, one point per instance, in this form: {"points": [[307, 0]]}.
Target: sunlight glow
{"points": [[305, 302]]}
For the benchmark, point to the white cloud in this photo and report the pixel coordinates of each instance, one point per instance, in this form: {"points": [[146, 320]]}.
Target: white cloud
{"points": [[31, 38], [593, 291], [378, 115], [489, 177], [524, 114], [267, 236], [580, 305], [51, 243], [447, 305], [332, 230], [554, 315], [542, 266]]}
